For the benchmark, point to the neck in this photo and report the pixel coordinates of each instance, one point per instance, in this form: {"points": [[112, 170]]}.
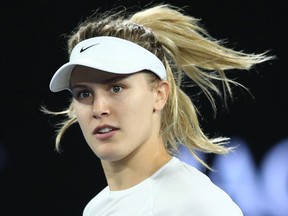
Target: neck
{"points": [[135, 168]]}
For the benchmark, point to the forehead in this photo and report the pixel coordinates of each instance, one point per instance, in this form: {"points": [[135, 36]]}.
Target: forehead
{"points": [[86, 74]]}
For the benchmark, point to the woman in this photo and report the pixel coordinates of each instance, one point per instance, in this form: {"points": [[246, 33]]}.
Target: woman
{"points": [[125, 73]]}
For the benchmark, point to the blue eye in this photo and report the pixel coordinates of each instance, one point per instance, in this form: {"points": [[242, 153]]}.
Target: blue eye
{"points": [[116, 89], [82, 94]]}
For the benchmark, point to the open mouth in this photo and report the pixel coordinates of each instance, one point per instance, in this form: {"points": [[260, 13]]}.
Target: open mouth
{"points": [[105, 129], [105, 132]]}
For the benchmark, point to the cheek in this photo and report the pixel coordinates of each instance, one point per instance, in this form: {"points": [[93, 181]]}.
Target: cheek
{"points": [[82, 115], [138, 111]]}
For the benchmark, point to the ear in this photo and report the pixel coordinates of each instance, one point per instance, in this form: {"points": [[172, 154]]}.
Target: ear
{"points": [[162, 93]]}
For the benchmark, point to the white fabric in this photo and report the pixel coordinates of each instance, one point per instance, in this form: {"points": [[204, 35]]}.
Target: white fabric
{"points": [[110, 54], [176, 189]]}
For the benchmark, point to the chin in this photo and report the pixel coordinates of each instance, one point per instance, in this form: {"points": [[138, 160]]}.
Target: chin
{"points": [[109, 156]]}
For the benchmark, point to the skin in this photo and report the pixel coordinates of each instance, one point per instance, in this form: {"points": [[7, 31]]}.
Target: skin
{"points": [[128, 105]]}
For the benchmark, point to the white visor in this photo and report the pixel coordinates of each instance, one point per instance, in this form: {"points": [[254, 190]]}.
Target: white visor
{"points": [[110, 54]]}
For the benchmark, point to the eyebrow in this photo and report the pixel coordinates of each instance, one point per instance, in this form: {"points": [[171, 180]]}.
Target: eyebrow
{"points": [[107, 81], [116, 78]]}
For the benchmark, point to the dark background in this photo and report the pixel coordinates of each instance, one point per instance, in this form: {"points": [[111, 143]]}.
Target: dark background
{"points": [[34, 179]]}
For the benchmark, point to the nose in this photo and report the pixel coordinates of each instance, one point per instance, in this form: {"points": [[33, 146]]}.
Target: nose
{"points": [[100, 109]]}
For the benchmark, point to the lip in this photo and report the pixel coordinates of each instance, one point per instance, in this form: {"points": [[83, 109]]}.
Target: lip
{"points": [[105, 136]]}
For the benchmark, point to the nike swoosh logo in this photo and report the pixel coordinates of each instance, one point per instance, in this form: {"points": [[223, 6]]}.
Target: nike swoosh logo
{"points": [[83, 49]]}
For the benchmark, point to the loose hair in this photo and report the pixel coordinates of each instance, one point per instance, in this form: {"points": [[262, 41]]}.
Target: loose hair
{"points": [[186, 49]]}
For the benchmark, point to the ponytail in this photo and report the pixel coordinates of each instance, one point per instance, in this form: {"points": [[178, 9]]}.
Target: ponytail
{"points": [[189, 49]]}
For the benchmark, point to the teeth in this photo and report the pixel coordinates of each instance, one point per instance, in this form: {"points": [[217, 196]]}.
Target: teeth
{"points": [[105, 130]]}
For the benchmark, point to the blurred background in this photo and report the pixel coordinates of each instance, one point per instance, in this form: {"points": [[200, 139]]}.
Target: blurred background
{"points": [[35, 180]]}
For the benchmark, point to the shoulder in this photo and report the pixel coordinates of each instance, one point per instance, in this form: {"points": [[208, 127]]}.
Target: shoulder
{"points": [[189, 190], [182, 174], [98, 201]]}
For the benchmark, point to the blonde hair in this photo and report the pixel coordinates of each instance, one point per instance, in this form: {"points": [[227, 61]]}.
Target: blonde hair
{"points": [[185, 48]]}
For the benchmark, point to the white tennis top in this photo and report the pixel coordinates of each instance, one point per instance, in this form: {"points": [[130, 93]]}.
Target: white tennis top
{"points": [[176, 189]]}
